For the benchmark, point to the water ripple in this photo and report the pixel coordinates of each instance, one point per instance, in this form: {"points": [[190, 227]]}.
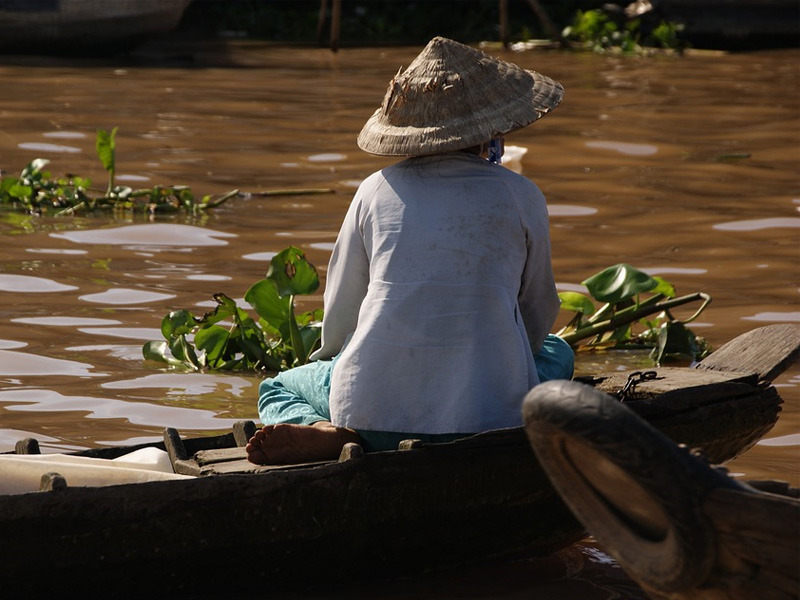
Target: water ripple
{"points": [[140, 413], [22, 363], [569, 210], [65, 135], [624, 148], [30, 284], [779, 317], [125, 296], [155, 234], [193, 384], [65, 321], [756, 224], [44, 147]]}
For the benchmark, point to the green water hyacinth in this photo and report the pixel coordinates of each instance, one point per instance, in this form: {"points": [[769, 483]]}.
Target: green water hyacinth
{"points": [[228, 338], [625, 318], [37, 192]]}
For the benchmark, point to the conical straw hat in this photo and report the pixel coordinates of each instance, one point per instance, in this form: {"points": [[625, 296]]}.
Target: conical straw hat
{"points": [[453, 97]]}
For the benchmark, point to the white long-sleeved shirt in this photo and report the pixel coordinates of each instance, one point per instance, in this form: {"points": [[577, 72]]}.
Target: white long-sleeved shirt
{"points": [[439, 286]]}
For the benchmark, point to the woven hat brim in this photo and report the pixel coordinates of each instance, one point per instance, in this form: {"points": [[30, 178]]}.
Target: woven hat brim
{"points": [[453, 97]]}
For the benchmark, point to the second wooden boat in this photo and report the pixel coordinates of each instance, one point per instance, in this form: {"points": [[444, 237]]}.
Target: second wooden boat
{"points": [[67, 26], [680, 527]]}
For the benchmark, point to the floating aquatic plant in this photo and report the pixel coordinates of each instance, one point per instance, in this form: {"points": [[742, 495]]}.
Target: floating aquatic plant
{"points": [[229, 338], [635, 312], [36, 191]]}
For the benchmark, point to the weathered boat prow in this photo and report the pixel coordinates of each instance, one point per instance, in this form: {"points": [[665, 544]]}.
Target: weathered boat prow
{"points": [[681, 528], [77, 25]]}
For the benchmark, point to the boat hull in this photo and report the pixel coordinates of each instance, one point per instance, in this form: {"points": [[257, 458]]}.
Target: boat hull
{"points": [[76, 25]]}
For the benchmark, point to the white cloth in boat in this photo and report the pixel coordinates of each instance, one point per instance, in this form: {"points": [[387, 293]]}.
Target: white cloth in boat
{"points": [[22, 473], [439, 286]]}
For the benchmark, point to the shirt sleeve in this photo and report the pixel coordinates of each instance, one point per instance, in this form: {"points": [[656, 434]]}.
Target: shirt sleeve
{"points": [[538, 298], [345, 285]]}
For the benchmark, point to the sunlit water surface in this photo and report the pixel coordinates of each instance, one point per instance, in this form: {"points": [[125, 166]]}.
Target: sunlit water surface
{"points": [[684, 167]]}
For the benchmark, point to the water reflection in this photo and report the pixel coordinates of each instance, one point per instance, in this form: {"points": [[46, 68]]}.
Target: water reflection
{"points": [[189, 384], [48, 148], [569, 210], [207, 277], [65, 135], [673, 270], [55, 251], [125, 296], [775, 317], [139, 413], [26, 364], [758, 224], [326, 246], [624, 147], [265, 256], [131, 178], [65, 321], [121, 351], [327, 157], [783, 440], [25, 284], [9, 344], [148, 235], [128, 333]]}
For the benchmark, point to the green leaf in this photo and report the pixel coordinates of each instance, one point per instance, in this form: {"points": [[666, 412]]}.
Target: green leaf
{"points": [[177, 323], [7, 182], [618, 283], [292, 273], [21, 192], [225, 308], [105, 147], [264, 298], [663, 287], [576, 302], [213, 340], [674, 339], [158, 351], [34, 167], [310, 336]]}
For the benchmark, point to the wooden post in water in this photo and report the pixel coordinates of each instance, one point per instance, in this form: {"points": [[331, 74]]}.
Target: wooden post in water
{"points": [[548, 25], [336, 21], [503, 10], [323, 7]]}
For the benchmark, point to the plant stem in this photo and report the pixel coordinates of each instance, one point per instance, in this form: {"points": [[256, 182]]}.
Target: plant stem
{"points": [[296, 192], [634, 313]]}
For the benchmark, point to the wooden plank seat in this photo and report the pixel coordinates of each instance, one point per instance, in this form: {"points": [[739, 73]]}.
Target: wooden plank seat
{"points": [[233, 459]]}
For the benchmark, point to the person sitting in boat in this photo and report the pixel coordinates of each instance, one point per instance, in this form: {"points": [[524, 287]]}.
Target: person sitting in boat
{"points": [[440, 292]]}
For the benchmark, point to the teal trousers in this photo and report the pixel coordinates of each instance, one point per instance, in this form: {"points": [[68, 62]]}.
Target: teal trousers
{"points": [[300, 395]]}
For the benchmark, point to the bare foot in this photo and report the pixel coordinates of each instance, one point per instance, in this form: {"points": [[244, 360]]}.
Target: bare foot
{"points": [[285, 443]]}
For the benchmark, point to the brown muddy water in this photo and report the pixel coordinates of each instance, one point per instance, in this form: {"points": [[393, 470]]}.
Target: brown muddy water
{"points": [[688, 168]]}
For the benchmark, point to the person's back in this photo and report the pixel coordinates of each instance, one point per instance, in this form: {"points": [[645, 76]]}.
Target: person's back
{"points": [[453, 243]]}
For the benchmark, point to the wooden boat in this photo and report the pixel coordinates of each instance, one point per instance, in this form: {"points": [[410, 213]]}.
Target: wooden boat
{"points": [[69, 26], [681, 528], [423, 507]]}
